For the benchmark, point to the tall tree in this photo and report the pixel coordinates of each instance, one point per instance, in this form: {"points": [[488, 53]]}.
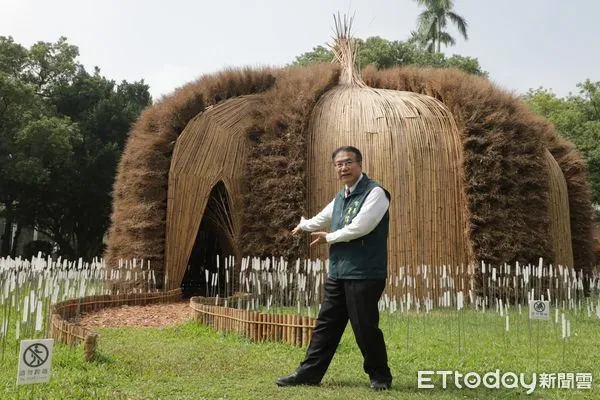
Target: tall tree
{"points": [[432, 23], [576, 117], [104, 112], [62, 131], [19, 105]]}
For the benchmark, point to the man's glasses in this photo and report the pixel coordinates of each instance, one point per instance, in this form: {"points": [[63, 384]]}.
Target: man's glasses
{"points": [[343, 163]]}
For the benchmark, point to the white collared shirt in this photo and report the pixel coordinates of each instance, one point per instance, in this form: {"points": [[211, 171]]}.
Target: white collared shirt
{"points": [[369, 215]]}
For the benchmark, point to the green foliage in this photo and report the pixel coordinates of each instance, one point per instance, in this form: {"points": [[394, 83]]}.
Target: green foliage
{"points": [[432, 23], [318, 54], [576, 117], [51, 64], [62, 131], [379, 52], [469, 65], [13, 57], [45, 146], [383, 53]]}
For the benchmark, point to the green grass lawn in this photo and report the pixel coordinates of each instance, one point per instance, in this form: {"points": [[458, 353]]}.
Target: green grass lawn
{"points": [[194, 362]]}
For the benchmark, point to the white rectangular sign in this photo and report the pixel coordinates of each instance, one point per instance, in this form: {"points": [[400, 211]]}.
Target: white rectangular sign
{"points": [[35, 360], [539, 309]]}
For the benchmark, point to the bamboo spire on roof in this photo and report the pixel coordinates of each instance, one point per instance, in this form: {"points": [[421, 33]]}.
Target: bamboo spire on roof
{"points": [[345, 51]]}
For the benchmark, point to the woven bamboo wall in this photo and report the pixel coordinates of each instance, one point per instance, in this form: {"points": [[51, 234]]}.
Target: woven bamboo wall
{"points": [[560, 226], [411, 145], [212, 148]]}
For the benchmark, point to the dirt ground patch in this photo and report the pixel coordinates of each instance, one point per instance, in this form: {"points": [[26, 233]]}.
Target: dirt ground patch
{"points": [[154, 315]]}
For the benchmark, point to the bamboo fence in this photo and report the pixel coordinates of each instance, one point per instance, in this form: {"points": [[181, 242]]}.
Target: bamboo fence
{"points": [[65, 330], [287, 328]]}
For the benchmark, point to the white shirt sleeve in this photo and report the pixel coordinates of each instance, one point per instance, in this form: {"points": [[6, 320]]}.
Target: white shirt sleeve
{"points": [[370, 214], [320, 221]]}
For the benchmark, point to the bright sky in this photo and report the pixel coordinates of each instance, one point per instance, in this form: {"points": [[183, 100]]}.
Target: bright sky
{"points": [[521, 43]]}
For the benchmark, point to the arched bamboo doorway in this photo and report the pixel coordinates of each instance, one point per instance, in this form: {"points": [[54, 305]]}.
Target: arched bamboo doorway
{"points": [[208, 163], [215, 238]]}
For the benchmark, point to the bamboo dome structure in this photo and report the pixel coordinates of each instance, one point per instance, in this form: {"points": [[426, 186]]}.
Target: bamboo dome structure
{"points": [[236, 158]]}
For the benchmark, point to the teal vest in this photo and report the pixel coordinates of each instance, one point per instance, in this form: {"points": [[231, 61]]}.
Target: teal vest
{"points": [[365, 257]]}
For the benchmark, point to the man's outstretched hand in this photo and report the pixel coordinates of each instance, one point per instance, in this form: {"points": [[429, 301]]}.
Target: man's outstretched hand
{"points": [[319, 237]]}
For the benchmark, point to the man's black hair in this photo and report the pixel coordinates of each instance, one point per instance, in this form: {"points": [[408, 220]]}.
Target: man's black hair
{"points": [[347, 149]]}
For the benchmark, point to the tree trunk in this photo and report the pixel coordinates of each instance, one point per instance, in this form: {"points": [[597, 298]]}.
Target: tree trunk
{"points": [[15, 242], [88, 245], [439, 36], [65, 249], [7, 234]]}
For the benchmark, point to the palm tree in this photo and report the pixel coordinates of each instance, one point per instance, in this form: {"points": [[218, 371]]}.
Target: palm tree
{"points": [[432, 22]]}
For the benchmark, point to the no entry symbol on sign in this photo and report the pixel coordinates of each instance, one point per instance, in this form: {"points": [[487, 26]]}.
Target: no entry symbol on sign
{"points": [[35, 355]]}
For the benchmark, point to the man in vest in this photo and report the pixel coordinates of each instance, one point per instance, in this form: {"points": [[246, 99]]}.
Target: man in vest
{"points": [[358, 219]]}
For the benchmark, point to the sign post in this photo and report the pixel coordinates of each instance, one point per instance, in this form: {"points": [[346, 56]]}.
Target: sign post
{"points": [[540, 310]]}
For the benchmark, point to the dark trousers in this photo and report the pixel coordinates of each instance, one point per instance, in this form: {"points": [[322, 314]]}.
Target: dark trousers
{"points": [[355, 300]]}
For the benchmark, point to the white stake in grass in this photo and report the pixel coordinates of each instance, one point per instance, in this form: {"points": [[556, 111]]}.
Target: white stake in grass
{"points": [[39, 319]]}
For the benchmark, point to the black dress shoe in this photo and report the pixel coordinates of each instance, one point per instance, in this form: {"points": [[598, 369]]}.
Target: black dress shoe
{"points": [[295, 380], [380, 385]]}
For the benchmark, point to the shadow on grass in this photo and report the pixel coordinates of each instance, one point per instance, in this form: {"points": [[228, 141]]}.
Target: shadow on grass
{"points": [[345, 383], [102, 359]]}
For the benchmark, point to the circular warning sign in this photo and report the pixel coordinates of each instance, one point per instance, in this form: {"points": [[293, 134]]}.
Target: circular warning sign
{"points": [[539, 306], [35, 355]]}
